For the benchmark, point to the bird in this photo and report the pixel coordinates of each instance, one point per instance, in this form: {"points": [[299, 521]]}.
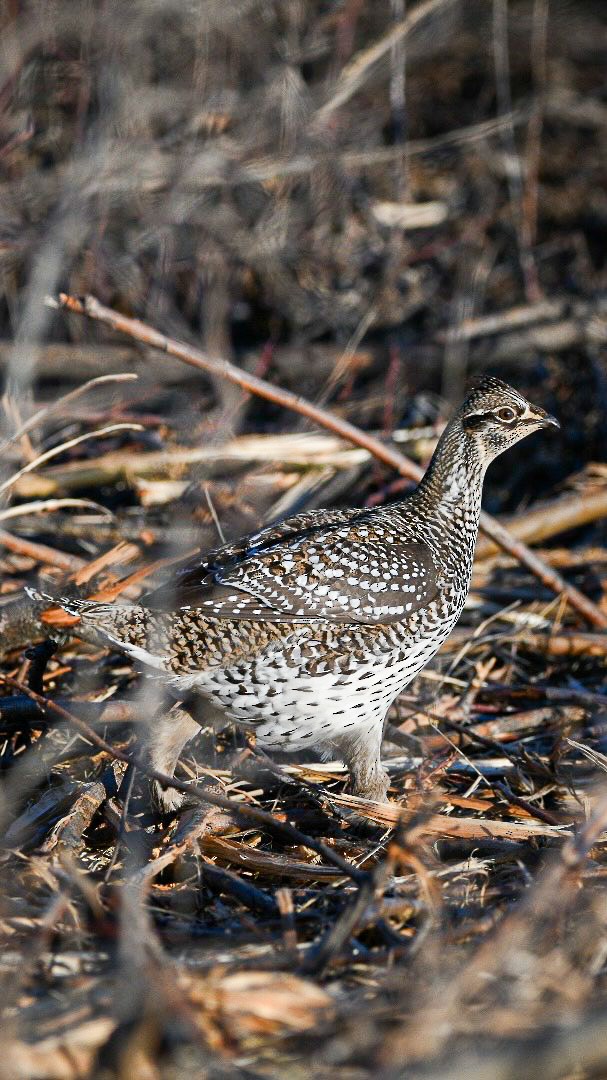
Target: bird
{"points": [[306, 631]]}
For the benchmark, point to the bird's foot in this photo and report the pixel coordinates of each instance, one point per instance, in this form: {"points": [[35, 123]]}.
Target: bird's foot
{"points": [[168, 800], [168, 734], [372, 786]]}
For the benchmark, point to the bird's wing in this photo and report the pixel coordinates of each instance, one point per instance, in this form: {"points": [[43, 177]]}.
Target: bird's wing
{"points": [[201, 572], [346, 566]]}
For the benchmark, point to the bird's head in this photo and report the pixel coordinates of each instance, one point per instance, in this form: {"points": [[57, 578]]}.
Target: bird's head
{"points": [[494, 417]]}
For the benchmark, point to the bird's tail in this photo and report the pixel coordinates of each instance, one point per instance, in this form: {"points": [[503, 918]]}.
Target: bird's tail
{"points": [[129, 628], [80, 610]]}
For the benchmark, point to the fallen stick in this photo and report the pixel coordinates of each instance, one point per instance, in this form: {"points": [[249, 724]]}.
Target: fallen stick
{"points": [[140, 331], [42, 553], [565, 644], [466, 828], [233, 456], [550, 519]]}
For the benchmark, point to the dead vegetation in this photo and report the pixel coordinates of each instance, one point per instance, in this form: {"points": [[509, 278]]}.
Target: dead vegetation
{"points": [[332, 249]]}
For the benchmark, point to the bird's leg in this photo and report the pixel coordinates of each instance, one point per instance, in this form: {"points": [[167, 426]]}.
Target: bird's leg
{"points": [[361, 753], [169, 733]]}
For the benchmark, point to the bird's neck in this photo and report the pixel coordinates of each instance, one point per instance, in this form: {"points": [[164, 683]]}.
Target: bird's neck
{"points": [[450, 492], [456, 471]]}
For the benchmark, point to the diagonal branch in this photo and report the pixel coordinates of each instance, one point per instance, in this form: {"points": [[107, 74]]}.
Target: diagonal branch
{"points": [[356, 73], [391, 457]]}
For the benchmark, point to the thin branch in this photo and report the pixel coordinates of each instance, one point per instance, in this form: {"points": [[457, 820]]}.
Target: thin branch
{"points": [[59, 405], [139, 331], [551, 518], [48, 506], [356, 73], [56, 450]]}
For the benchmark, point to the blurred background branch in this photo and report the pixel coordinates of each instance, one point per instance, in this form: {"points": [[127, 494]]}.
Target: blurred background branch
{"points": [[358, 205]]}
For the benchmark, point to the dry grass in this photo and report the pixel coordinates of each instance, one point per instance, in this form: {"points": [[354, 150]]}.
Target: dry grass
{"points": [[260, 181]]}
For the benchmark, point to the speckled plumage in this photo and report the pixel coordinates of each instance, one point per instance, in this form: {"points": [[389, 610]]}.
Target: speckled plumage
{"points": [[308, 630]]}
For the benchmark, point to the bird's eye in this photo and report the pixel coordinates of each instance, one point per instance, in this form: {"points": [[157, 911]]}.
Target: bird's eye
{"points": [[506, 414]]}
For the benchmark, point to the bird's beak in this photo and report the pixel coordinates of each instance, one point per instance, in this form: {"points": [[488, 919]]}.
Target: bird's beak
{"points": [[550, 421], [540, 416]]}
